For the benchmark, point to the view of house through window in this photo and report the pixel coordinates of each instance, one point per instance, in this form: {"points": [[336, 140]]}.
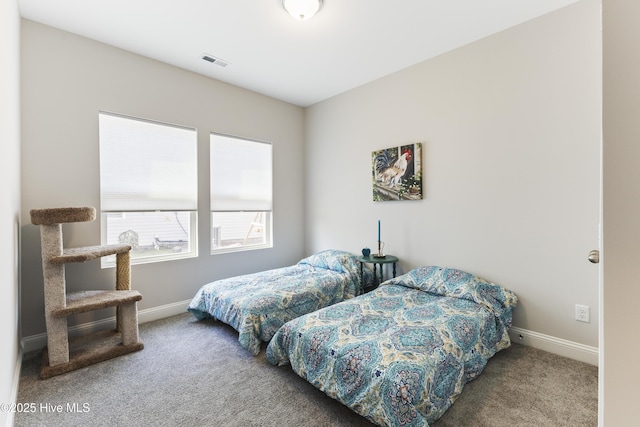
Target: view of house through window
{"points": [[241, 194], [152, 235], [148, 188]]}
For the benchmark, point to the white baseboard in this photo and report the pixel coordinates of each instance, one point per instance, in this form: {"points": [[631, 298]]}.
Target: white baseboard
{"points": [[38, 341], [14, 388], [163, 311], [570, 349]]}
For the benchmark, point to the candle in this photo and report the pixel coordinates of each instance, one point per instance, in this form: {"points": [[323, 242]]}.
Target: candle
{"points": [[378, 230]]}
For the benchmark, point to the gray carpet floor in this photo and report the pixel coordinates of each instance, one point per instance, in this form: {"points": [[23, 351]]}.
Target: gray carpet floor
{"points": [[195, 373]]}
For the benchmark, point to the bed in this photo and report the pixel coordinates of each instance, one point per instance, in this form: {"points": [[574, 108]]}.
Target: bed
{"points": [[257, 305], [400, 354]]}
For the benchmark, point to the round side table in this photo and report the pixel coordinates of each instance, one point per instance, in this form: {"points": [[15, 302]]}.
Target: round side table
{"points": [[377, 261]]}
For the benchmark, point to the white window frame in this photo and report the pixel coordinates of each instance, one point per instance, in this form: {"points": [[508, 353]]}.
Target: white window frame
{"points": [[164, 204], [239, 203]]}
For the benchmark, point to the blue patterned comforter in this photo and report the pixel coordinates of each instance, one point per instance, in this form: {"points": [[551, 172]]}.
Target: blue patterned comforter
{"points": [[257, 305], [401, 354]]}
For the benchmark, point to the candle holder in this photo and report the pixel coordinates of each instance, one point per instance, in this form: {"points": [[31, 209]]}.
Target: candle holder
{"points": [[379, 254]]}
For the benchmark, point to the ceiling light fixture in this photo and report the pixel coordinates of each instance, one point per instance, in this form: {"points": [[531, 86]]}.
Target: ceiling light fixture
{"points": [[302, 9]]}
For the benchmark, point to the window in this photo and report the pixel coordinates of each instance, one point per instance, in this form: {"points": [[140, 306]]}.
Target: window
{"points": [[241, 177], [148, 188]]}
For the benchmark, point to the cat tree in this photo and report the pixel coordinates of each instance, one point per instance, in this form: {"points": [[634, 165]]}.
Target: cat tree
{"points": [[58, 304]]}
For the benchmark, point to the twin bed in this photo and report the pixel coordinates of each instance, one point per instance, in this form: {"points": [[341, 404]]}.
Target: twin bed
{"points": [[400, 354], [257, 305]]}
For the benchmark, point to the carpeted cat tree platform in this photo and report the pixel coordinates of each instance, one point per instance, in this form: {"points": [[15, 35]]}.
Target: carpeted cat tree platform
{"points": [[57, 358]]}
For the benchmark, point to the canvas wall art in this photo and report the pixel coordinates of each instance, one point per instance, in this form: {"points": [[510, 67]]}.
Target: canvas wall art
{"points": [[397, 173]]}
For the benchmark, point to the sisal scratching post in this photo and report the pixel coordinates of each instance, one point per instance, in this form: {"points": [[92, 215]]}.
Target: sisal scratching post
{"points": [[123, 282], [58, 358]]}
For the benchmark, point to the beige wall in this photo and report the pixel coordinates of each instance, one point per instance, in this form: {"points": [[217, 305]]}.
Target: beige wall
{"points": [[9, 202], [619, 378], [510, 127], [67, 79]]}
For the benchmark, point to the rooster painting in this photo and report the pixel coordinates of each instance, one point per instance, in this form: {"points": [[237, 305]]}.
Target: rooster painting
{"points": [[394, 176]]}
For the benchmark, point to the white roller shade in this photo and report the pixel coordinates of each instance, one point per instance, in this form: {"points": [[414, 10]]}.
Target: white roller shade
{"points": [[241, 174], [146, 166]]}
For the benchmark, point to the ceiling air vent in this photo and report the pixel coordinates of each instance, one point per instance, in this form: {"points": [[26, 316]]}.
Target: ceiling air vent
{"points": [[214, 60]]}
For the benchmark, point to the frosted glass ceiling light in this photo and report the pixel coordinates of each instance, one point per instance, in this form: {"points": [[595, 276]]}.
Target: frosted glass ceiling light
{"points": [[302, 9]]}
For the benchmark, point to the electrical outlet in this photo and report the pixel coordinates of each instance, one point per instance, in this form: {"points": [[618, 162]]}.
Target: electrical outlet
{"points": [[582, 313]]}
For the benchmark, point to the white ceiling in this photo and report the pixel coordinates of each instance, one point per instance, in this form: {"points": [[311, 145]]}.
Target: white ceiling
{"points": [[348, 43]]}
